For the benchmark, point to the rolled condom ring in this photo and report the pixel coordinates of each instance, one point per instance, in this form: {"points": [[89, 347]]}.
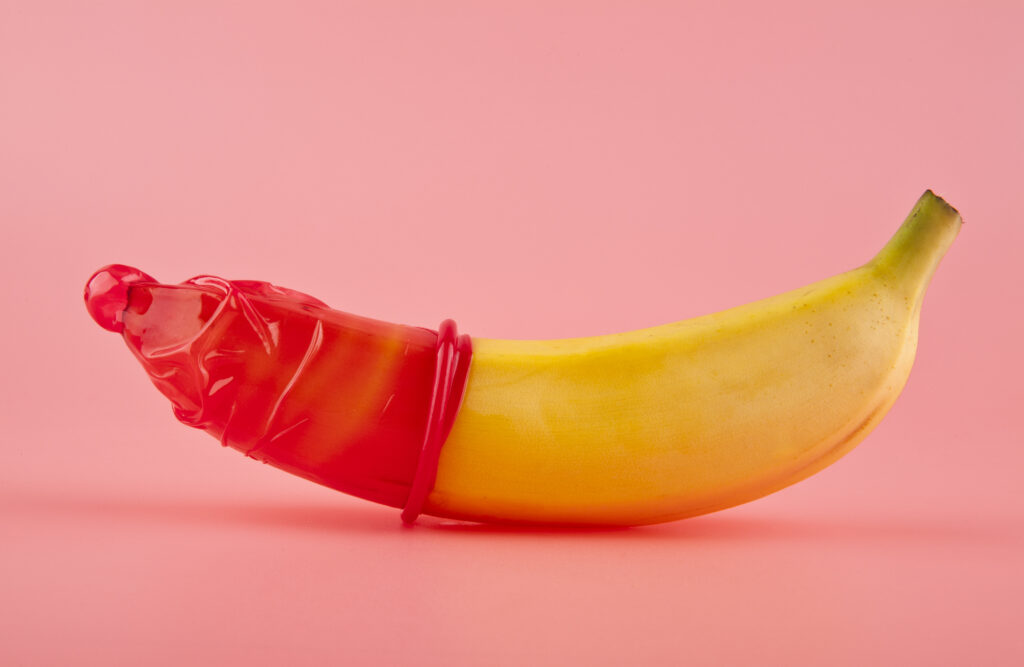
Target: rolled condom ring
{"points": [[450, 375]]}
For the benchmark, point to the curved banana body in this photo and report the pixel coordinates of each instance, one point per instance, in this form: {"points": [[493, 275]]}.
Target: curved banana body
{"points": [[640, 427], [696, 416]]}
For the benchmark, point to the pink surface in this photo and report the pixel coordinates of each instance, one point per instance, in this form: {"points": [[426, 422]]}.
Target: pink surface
{"points": [[532, 170]]}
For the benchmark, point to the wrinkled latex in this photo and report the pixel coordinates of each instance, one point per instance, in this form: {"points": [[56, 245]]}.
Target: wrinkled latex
{"points": [[336, 398]]}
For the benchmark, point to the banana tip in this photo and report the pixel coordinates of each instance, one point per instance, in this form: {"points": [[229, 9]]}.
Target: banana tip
{"points": [[930, 194]]}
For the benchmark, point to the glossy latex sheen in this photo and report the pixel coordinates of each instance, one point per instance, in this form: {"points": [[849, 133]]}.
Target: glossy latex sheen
{"points": [[338, 399]]}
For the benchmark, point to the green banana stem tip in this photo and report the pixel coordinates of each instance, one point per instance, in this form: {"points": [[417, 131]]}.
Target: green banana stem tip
{"points": [[914, 251]]}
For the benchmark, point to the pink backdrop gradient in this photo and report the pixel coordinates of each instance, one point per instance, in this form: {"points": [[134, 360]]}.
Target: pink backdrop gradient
{"points": [[532, 170]]}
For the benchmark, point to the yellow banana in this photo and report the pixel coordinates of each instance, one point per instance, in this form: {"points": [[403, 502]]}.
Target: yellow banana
{"points": [[633, 428], [696, 416]]}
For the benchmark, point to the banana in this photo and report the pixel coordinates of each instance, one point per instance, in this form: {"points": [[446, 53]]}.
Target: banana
{"points": [[633, 428], [692, 417]]}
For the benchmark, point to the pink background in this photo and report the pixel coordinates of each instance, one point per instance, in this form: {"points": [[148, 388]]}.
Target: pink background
{"points": [[533, 170]]}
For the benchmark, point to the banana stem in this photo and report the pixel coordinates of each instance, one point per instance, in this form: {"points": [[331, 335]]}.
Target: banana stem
{"points": [[913, 253]]}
